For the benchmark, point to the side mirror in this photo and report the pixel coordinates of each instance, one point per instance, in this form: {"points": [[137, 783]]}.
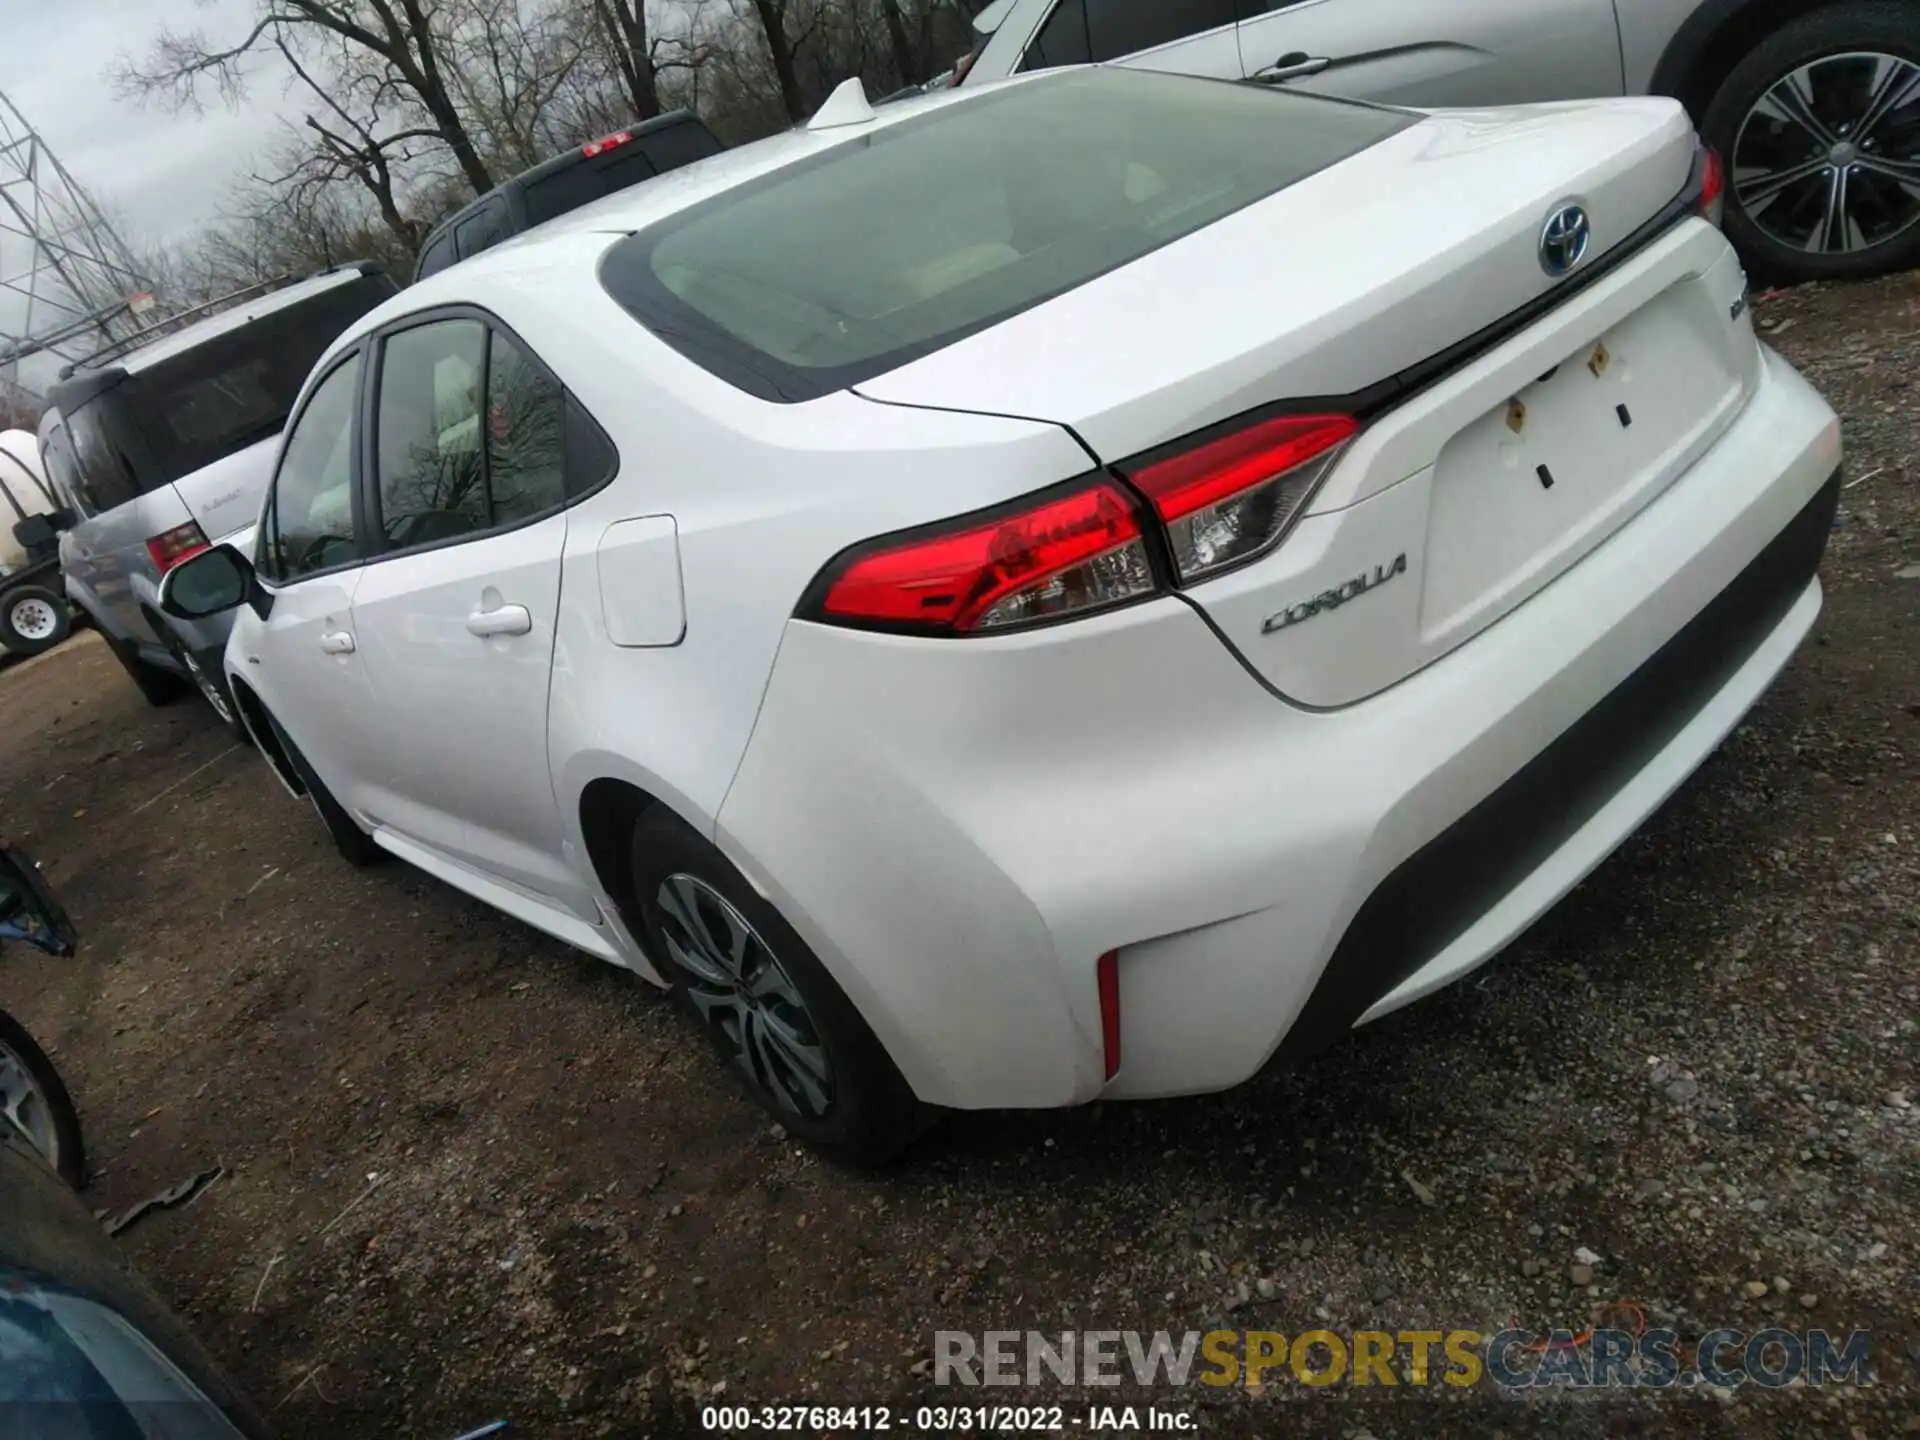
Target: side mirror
{"points": [[28, 910], [62, 519], [35, 532], [212, 581]]}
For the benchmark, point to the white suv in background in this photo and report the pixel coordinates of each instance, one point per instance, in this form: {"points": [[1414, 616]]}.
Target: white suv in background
{"points": [[162, 444], [1814, 103], [1045, 593]]}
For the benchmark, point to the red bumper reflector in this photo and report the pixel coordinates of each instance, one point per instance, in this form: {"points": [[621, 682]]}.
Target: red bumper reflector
{"points": [[1108, 971]]}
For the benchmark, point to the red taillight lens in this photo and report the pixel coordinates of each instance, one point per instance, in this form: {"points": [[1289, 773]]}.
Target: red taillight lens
{"points": [[1061, 555], [1108, 972], [606, 143], [1713, 184], [175, 545], [1231, 499]]}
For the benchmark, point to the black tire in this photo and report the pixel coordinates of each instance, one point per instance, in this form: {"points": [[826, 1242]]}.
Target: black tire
{"points": [[159, 687], [1764, 235], [869, 1114], [42, 612], [356, 847], [207, 678], [69, 1155]]}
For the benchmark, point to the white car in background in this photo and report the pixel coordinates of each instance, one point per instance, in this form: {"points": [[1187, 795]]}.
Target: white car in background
{"points": [[1815, 103], [1062, 590]]}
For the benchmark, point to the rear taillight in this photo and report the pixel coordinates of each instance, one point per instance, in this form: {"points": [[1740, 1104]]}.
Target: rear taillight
{"points": [[1051, 556], [1090, 544], [1233, 498], [169, 549], [1713, 184]]}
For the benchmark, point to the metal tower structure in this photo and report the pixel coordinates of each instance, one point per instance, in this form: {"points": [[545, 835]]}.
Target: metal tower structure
{"points": [[68, 283]]}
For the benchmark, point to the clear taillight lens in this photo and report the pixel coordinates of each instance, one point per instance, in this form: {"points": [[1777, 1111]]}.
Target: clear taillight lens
{"points": [[175, 545], [1047, 558], [1231, 499]]}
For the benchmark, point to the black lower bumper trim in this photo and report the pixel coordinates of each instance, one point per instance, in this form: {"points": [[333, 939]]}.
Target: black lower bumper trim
{"points": [[1436, 894]]}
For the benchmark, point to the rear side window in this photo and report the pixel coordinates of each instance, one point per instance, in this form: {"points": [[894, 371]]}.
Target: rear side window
{"points": [[471, 434], [437, 256], [484, 229], [1062, 40], [56, 453], [1117, 28], [898, 243]]}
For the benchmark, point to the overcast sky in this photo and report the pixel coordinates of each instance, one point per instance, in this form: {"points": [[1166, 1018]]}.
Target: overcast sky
{"points": [[158, 173]]}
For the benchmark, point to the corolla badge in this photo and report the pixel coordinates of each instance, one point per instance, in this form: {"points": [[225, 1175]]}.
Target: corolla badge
{"points": [[1336, 597], [1564, 240]]}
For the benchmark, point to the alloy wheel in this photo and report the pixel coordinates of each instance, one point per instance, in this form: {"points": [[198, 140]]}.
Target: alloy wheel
{"points": [[214, 695], [32, 619], [739, 988], [24, 1106], [1828, 159]]}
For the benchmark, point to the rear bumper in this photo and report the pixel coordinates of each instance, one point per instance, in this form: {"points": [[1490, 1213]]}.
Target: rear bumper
{"points": [[961, 830]]}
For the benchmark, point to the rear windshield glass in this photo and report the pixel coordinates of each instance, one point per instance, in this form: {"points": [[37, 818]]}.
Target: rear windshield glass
{"points": [[641, 158], [184, 413], [907, 238]]}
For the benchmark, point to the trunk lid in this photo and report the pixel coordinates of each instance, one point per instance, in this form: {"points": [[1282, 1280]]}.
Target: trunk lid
{"points": [[1330, 287], [1476, 479]]}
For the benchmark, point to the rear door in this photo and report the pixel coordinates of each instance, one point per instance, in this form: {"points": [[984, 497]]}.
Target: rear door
{"points": [[1188, 37], [1419, 52], [455, 620]]}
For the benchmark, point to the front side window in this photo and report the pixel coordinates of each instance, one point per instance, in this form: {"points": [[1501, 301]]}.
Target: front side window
{"points": [[470, 434], [310, 518]]}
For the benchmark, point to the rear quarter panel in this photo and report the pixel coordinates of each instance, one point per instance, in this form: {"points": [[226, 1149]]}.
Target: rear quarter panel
{"points": [[1648, 29]]}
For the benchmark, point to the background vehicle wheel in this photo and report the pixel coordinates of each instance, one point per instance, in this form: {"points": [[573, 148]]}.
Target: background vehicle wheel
{"points": [[212, 685], [1820, 129], [773, 1013], [37, 1105], [356, 847], [32, 619], [160, 687]]}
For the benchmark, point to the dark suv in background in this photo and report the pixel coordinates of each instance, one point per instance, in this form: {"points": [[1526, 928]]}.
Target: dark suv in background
{"points": [[566, 182]]}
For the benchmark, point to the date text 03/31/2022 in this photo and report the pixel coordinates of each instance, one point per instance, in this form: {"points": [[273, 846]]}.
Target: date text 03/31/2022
{"points": [[942, 1419]]}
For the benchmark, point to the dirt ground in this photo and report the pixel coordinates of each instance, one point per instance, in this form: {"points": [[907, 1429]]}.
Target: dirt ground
{"points": [[469, 1175]]}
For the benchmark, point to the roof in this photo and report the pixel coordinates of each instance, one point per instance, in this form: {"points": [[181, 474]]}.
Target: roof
{"points": [[175, 342]]}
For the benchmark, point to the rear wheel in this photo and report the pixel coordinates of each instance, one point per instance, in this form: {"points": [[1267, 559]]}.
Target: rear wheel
{"points": [[160, 687], [1820, 129], [209, 682], [36, 1105], [356, 847], [775, 1016], [33, 619]]}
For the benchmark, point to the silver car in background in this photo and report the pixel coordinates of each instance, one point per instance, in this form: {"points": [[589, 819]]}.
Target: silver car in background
{"points": [[162, 445], [1813, 104]]}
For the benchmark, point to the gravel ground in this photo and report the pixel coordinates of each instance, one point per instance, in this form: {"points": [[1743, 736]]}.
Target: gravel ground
{"points": [[469, 1175]]}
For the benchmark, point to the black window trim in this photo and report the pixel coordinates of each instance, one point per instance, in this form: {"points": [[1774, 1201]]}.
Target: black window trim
{"points": [[366, 499], [269, 513], [1242, 14]]}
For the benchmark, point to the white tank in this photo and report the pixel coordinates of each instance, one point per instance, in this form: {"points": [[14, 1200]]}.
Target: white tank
{"points": [[24, 491]]}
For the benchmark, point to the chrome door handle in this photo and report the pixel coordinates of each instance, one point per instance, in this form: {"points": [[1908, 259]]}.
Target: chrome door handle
{"points": [[505, 620], [1292, 67], [337, 642]]}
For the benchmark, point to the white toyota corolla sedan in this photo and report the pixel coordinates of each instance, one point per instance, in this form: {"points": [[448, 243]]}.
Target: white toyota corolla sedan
{"points": [[1071, 589]]}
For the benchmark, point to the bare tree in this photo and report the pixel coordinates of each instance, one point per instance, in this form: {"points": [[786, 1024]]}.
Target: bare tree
{"points": [[782, 49], [403, 43]]}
